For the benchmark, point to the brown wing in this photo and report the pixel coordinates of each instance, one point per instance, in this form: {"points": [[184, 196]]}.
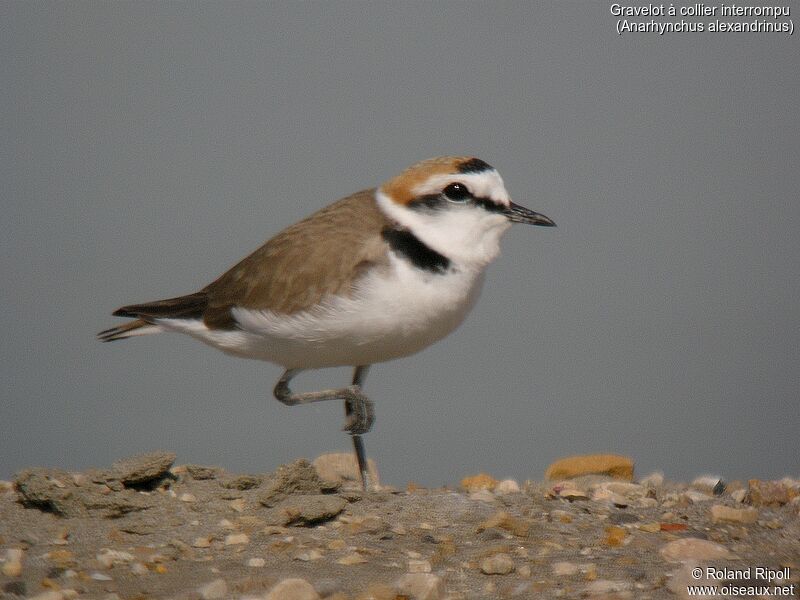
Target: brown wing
{"points": [[322, 254]]}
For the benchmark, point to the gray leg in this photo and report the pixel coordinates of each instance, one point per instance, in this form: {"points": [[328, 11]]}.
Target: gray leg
{"points": [[359, 375], [359, 411]]}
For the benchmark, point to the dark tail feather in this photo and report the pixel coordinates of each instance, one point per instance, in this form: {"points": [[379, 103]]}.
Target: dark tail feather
{"points": [[182, 307], [129, 329]]}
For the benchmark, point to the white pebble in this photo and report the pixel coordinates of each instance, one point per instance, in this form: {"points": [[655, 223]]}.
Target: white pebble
{"points": [[256, 562], [213, 590]]}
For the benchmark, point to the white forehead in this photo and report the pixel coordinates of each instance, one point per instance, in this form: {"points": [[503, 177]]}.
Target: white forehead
{"points": [[486, 184]]}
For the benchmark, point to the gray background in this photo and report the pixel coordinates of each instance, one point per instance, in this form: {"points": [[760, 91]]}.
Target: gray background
{"points": [[147, 147]]}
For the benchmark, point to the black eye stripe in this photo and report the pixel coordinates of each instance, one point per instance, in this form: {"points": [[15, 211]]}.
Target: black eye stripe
{"points": [[437, 202]]}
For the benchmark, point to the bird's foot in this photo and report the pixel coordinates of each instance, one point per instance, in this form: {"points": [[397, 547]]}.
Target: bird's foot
{"points": [[360, 411]]}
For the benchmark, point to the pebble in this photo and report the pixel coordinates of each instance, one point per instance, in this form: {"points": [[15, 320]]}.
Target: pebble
{"points": [[298, 477], [420, 586], [100, 577], [722, 513], [13, 565], [213, 590], [604, 495], [234, 539], [695, 496], [654, 480], [256, 562], [497, 564], [293, 589], [305, 510], [768, 493], [108, 558], [342, 468], [739, 495], [507, 486], [188, 498], [476, 483], [142, 469], [695, 549], [507, 522], [564, 569], [309, 555], [202, 542], [613, 465], [352, 559], [238, 505]]}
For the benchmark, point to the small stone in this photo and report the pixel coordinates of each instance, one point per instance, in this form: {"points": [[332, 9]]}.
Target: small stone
{"points": [[352, 559], [100, 577], [138, 568], [476, 483], [604, 495], [202, 542], [650, 527], [695, 549], [298, 477], [739, 495], [721, 513], [202, 473], [234, 539], [768, 493], [238, 505], [618, 467], [524, 571], [419, 566], [341, 468], [293, 589], [256, 562], [654, 480], [309, 555], [507, 486], [108, 558], [242, 482], [497, 564], [13, 565], [632, 491], [569, 492], [696, 496], [564, 569], [188, 498], [142, 469], [504, 520], [615, 536], [420, 586], [213, 590], [306, 510]]}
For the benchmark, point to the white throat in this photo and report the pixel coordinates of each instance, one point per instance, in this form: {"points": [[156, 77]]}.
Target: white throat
{"points": [[469, 236]]}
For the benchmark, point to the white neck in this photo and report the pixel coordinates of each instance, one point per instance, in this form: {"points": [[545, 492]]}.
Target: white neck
{"points": [[468, 235]]}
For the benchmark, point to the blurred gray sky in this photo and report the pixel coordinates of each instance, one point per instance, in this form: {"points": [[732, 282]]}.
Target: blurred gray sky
{"points": [[148, 146]]}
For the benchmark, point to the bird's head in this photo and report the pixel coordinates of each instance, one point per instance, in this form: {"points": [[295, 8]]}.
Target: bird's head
{"points": [[457, 205]]}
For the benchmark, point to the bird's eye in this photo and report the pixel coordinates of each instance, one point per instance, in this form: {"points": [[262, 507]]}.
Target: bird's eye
{"points": [[456, 192]]}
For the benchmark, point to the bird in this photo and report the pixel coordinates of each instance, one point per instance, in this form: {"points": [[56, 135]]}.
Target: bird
{"points": [[378, 275]]}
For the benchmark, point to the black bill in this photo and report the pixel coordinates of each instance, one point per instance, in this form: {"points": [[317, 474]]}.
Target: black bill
{"points": [[520, 214]]}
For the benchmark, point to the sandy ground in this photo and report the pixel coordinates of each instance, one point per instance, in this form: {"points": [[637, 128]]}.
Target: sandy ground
{"points": [[145, 528]]}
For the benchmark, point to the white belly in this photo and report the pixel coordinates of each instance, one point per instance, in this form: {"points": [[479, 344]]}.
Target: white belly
{"points": [[391, 314]]}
